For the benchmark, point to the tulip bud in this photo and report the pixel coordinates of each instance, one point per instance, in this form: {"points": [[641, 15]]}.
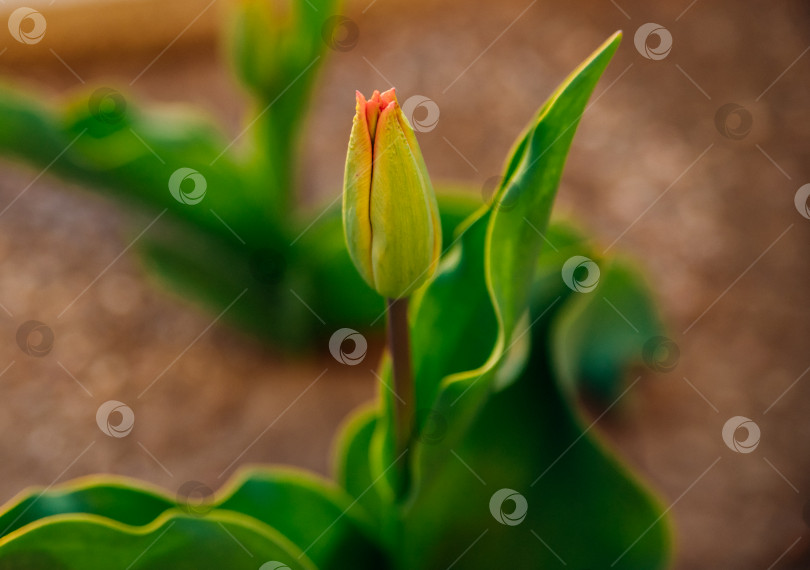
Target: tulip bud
{"points": [[273, 42], [390, 216]]}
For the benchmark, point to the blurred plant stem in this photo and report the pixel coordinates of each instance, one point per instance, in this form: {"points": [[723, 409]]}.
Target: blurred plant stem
{"points": [[399, 345], [276, 144]]}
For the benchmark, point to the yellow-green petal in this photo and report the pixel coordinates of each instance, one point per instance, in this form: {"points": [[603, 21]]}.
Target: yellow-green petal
{"points": [[357, 194], [403, 228]]}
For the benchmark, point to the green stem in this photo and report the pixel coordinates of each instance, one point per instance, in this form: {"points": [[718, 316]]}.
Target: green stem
{"points": [[275, 147], [399, 345]]}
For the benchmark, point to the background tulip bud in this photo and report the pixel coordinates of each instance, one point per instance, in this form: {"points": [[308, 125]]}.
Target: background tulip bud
{"points": [[390, 216], [271, 43], [276, 48]]}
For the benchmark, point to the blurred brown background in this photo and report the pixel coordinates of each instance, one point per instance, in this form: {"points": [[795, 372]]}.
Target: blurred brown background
{"points": [[710, 218]]}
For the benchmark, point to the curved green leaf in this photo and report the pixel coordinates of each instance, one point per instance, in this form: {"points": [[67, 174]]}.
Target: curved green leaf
{"points": [[585, 510], [85, 542], [564, 240], [531, 182], [310, 512], [597, 335], [320, 518], [513, 243], [127, 501], [352, 470], [132, 155]]}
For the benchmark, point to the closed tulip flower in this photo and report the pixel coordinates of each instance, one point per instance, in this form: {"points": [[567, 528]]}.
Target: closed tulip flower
{"points": [[390, 216]]}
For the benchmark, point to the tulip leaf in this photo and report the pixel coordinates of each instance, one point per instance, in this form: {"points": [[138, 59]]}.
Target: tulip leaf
{"points": [[583, 505], [530, 414], [222, 539], [564, 240], [320, 518], [506, 280], [126, 501], [352, 469], [531, 182], [316, 515], [597, 335], [132, 156], [254, 285]]}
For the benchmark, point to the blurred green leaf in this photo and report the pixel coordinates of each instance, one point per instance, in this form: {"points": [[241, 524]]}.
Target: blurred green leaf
{"points": [[563, 240], [321, 519], [597, 335], [254, 287], [208, 253], [223, 539], [316, 515], [132, 155], [126, 501]]}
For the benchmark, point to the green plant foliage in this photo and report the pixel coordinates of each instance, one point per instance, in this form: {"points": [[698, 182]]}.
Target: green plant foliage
{"points": [[126, 501], [499, 340], [189, 247], [597, 334], [174, 540], [493, 264], [314, 514], [516, 438], [308, 511], [244, 237]]}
